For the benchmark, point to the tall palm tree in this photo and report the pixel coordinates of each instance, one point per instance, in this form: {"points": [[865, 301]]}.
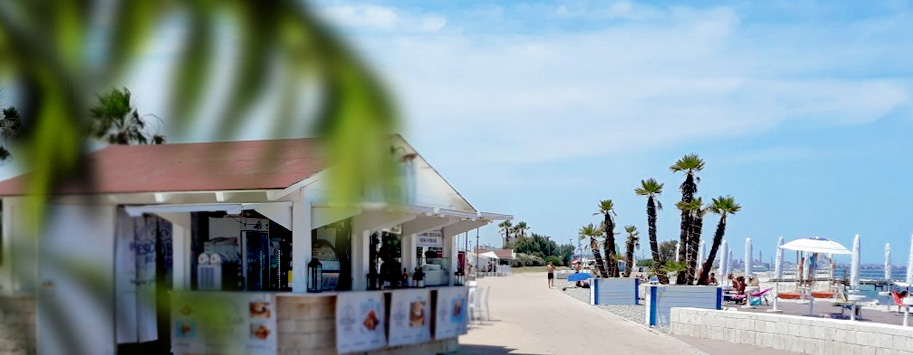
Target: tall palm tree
{"points": [[114, 119], [689, 164], [520, 229], [696, 211], [505, 228], [590, 232], [633, 242], [607, 210], [723, 206], [652, 189]]}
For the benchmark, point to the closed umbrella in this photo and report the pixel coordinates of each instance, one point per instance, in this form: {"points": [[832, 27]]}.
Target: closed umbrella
{"points": [[778, 266], [723, 260], [854, 266], [910, 264], [729, 261], [778, 272], [887, 262], [700, 251], [747, 257], [677, 246]]}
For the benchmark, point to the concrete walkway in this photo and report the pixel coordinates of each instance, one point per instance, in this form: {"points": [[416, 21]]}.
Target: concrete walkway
{"points": [[528, 318]]}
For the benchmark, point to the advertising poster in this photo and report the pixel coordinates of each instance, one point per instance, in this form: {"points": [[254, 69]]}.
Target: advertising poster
{"points": [[410, 317], [223, 322], [451, 319], [360, 321]]}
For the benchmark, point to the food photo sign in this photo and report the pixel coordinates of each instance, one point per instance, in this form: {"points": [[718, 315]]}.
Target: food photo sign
{"points": [[360, 321], [220, 322], [452, 318], [410, 317]]}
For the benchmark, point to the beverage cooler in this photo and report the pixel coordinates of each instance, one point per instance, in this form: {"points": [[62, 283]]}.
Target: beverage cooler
{"points": [[266, 262]]}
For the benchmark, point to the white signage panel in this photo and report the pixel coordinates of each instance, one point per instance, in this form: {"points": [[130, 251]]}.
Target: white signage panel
{"points": [[410, 317], [360, 321], [452, 317]]}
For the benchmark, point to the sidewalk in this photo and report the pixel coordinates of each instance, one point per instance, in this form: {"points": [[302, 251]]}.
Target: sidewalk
{"points": [[528, 318]]}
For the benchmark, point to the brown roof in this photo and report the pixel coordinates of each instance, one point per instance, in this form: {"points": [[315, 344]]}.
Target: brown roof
{"points": [[242, 165], [504, 253]]}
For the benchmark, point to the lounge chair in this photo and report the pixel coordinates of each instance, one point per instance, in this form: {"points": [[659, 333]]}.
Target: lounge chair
{"points": [[739, 298]]}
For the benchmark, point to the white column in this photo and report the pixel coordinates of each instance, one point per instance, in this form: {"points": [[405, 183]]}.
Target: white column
{"points": [[301, 241], [452, 230], [362, 227], [180, 239]]}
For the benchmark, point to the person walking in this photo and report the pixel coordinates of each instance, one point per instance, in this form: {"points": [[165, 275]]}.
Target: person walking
{"points": [[551, 274]]}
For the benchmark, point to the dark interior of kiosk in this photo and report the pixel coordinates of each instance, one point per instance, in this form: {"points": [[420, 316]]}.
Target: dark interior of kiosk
{"points": [[250, 252]]}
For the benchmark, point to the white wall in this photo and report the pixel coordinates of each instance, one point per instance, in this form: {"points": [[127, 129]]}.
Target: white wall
{"points": [[76, 277], [18, 271], [614, 291], [793, 333]]}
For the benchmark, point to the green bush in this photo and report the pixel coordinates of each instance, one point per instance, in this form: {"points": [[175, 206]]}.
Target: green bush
{"points": [[526, 260], [645, 263], [554, 259]]}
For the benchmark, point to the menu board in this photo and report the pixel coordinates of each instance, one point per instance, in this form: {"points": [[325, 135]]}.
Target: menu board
{"points": [[360, 321], [410, 317], [223, 322], [452, 315]]}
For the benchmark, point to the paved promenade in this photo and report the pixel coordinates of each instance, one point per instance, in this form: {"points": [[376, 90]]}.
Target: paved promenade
{"points": [[528, 318]]}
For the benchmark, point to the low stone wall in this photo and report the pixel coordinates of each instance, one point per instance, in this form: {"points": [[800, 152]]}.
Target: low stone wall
{"points": [[17, 324], [307, 326], [793, 333]]}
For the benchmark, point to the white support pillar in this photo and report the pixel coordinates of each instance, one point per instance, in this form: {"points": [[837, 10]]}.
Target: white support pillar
{"points": [[181, 250], [301, 241], [449, 232], [411, 230], [362, 227]]}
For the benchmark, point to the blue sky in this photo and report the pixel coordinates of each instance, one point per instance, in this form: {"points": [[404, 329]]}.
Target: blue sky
{"points": [[801, 109]]}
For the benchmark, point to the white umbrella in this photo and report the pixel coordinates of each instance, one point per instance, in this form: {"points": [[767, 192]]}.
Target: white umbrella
{"points": [[887, 262], [677, 246], [723, 260], [816, 245], [778, 272], [700, 251], [910, 263], [729, 261], [854, 266], [747, 257], [778, 266]]}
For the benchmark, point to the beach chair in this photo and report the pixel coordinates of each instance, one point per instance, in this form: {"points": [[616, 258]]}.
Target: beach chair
{"points": [[474, 304]]}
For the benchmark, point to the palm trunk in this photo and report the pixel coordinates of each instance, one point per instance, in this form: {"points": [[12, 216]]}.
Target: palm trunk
{"points": [[717, 240], [697, 224], [609, 246], [596, 255], [654, 246], [629, 259], [688, 188]]}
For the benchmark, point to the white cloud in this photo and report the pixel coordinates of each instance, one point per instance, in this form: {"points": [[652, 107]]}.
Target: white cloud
{"points": [[376, 17], [680, 75]]}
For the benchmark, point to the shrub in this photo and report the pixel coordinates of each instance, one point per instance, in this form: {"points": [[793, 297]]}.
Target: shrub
{"points": [[645, 263], [526, 260], [554, 259]]}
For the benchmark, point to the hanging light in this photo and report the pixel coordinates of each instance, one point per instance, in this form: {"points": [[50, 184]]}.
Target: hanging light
{"points": [[315, 273]]}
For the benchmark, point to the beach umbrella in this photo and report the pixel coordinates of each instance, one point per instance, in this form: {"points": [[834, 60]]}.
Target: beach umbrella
{"points": [[887, 261], [723, 259], [910, 263], [579, 277], [778, 266], [700, 251], [677, 246], [854, 266], [747, 257], [729, 262], [816, 245]]}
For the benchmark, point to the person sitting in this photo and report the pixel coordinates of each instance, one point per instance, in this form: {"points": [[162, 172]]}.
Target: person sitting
{"points": [[753, 281], [712, 280], [739, 285]]}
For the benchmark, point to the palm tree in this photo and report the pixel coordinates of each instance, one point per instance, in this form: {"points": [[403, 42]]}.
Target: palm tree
{"points": [[696, 211], [633, 242], [520, 229], [114, 119], [607, 210], [590, 232], [651, 188], [10, 129], [505, 228], [722, 206], [689, 164]]}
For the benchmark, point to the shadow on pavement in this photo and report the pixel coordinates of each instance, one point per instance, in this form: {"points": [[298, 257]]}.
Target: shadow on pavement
{"points": [[487, 350]]}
